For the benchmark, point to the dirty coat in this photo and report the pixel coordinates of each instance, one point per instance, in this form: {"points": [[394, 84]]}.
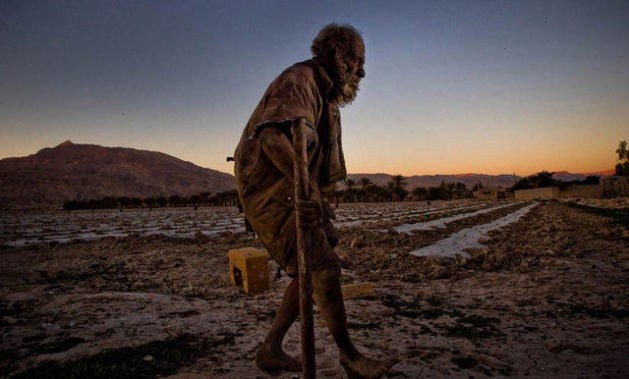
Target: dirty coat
{"points": [[266, 194]]}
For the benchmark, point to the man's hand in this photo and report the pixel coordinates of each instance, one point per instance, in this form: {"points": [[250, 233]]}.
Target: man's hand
{"points": [[278, 148], [309, 212], [330, 230]]}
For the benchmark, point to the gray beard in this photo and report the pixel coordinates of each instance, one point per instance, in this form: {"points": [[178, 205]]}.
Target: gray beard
{"points": [[348, 94], [345, 87]]}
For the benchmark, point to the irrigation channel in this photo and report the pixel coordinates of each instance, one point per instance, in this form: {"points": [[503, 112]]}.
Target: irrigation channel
{"points": [[30, 227]]}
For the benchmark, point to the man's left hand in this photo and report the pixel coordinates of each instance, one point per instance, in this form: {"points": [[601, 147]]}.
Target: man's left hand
{"points": [[309, 211]]}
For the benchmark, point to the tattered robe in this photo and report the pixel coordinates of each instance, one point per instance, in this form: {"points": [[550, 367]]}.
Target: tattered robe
{"points": [[266, 194]]}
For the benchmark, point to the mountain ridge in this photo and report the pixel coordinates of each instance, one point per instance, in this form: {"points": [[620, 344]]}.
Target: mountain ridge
{"points": [[72, 171]]}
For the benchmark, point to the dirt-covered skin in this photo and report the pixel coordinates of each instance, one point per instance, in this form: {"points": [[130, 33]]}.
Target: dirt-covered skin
{"points": [[547, 297]]}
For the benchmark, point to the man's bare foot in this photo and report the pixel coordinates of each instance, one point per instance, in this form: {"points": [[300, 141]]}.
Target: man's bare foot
{"points": [[365, 368], [272, 361]]}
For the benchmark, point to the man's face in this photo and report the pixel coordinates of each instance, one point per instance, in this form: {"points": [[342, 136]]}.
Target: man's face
{"points": [[349, 72]]}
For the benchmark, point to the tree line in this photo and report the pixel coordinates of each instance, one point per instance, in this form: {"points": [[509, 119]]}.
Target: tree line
{"points": [[364, 190], [229, 197], [355, 191], [545, 179]]}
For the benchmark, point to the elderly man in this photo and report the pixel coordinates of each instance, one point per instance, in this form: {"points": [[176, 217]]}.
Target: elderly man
{"points": [[309, 92]]}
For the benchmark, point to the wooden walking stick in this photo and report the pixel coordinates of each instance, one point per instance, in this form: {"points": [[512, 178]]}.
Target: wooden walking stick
{"points": [[303, 250]]}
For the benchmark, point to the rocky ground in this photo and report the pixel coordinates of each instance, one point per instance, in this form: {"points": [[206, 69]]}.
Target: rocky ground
{"points": [[547, 297]]}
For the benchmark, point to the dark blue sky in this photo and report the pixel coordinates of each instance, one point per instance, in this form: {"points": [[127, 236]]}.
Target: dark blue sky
{"points": [[451, 87]]}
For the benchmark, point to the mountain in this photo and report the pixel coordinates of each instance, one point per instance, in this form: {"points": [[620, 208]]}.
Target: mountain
{"points": [[568, 176], [81, 172], [434, 180]]}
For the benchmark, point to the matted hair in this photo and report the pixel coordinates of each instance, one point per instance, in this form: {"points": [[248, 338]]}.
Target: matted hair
{"points": [[338, 39]]}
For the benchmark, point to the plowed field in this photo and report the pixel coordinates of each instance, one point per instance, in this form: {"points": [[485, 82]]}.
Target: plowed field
{"points": [[463, 289]]}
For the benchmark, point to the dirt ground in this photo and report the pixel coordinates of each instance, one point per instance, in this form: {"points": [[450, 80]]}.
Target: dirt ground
{"points": [[547, 298]]}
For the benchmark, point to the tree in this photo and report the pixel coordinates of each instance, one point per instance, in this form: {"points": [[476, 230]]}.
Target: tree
{"points": [[592, 179], [380, 193], [460, 190], [350, 187], [232, 195], [434, 193], [446, 190], [161, 201], [195, 200], [399, 181], [174, 200], [541, 180], [544, 179], [397, 186], [365, 185], [150, 201], [205, 197], [622, 150], [420, 193], [622, 168]]}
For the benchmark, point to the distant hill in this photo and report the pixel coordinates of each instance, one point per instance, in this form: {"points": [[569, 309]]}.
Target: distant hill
{"points": [[76, 171], [83, 172], [568, 176]]}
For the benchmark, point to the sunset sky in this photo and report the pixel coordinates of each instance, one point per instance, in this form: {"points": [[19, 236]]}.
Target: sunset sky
{"points": [[492, 87]]}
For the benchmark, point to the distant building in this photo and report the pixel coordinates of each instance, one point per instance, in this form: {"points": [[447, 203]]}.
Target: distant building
{"points": [[491, 193], [537, 193], [613, 186]]}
